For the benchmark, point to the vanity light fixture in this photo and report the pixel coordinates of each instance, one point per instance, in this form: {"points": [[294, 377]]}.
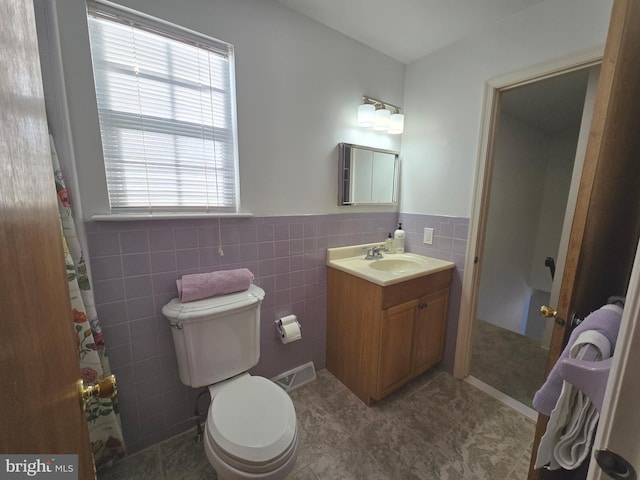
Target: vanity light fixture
{"points": [[382, 116]]}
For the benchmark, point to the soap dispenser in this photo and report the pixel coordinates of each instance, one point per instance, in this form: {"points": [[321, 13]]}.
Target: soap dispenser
{"points": [[388, 244], [398, 239]]}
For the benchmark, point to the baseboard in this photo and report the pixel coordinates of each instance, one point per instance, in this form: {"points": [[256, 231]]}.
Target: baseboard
{"points": [[503, 397]]}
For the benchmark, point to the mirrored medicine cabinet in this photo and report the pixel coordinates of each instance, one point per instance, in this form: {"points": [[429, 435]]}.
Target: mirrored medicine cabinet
{"points": [[367, 176]]}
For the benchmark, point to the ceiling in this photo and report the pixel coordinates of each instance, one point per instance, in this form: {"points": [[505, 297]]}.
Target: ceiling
{"points": [[550, 105], [409, 29]]}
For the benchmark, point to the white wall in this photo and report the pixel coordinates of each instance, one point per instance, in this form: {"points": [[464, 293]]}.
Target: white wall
{"points": [[530, 185], [520, 162], [298, 87], [560, 159], [444, 93]]}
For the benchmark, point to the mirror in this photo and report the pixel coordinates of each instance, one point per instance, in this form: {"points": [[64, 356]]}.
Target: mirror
{"points": [[367, 176]]}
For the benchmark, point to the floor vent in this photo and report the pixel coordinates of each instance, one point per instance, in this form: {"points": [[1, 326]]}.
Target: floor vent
{"points": [[296, 377]]}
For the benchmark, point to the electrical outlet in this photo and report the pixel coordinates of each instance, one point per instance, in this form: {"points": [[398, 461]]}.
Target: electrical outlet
{"points": [[428, 236]]}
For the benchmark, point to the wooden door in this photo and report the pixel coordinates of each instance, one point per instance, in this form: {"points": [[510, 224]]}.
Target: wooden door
{"points": [[606, 224], [429, 330], [41, 412], [394, 358]]}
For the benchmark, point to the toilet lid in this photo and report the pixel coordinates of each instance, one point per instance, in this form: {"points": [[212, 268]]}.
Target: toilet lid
{"points": [[252, 419]]}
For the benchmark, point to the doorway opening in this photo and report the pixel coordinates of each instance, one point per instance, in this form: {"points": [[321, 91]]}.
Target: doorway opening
{"points": [[535, 143], [534, 136]]}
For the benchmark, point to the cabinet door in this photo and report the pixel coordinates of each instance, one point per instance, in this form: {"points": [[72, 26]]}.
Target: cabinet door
{"points": [[394, 359], [429, 330]]}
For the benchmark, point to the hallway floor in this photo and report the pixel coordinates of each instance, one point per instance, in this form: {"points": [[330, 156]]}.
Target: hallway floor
{"points": [[436, 427], [507, 361]]}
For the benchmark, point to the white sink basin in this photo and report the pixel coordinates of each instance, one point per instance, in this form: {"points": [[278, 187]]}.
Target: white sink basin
{"points": [[394, 265], [391, 269]]}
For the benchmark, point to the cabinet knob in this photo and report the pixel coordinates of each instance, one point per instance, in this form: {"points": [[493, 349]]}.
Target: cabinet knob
{"points": [[422, 306]]}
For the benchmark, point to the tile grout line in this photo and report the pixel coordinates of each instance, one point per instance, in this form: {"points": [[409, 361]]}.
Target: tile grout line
{"points": [[160, 465], [516, 463]]}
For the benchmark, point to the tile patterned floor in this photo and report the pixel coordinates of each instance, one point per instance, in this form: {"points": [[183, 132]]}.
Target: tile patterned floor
{"points": [[509, 362], [436, 427]]}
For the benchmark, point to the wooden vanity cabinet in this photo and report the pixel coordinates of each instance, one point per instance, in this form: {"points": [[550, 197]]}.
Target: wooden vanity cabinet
{"points": [[379, 338]]}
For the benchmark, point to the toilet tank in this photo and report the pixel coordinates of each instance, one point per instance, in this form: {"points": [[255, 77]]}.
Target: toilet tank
{"points": [[217, 337]]}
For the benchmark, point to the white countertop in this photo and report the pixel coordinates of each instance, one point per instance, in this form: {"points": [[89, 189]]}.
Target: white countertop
{"points": [[391, 269]]}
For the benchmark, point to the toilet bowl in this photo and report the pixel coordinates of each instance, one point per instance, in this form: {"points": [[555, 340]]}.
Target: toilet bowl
{"points": [[251, 430]]}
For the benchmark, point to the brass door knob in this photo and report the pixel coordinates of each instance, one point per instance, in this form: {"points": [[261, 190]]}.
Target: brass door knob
{"points": [[105, 388], [547, 312]]}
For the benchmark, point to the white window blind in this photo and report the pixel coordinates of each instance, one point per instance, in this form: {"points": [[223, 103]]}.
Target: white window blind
{"points": [[167, 115]]}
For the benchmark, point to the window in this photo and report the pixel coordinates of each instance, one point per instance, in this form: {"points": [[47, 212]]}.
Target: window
{"points": [[166, 103]]}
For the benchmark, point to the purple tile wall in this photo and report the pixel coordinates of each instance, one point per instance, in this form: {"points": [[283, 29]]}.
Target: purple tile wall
{"points": [[449, 243], [135, 266]]}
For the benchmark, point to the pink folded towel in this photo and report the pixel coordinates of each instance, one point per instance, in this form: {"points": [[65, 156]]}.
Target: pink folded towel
{"points": [[203, 285]]}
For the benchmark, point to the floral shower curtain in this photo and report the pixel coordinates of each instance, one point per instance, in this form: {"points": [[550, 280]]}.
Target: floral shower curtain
{"points": [[103, 419]]}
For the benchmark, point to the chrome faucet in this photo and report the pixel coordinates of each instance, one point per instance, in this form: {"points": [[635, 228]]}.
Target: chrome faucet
{"points": [[374, 253]]}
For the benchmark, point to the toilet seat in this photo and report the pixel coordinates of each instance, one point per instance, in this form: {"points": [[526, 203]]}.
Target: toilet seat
{"points": [[252, 425]]}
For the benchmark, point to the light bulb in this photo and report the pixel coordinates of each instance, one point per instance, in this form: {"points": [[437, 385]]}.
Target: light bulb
{"points": [[381, 122], [396, 124], [366, 113]]}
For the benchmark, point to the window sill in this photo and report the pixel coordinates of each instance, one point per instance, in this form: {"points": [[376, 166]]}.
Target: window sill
{"points": [[123, 217]]}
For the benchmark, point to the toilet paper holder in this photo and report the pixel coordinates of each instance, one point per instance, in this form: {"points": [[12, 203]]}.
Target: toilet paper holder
{"points": [[287, 320]]}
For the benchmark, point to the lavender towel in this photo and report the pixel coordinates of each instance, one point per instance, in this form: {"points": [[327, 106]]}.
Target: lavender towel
{"points": [[203, 285], [606, 321]]}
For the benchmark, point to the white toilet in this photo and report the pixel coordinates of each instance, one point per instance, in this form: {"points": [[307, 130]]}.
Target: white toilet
{"points": [[251, 430]]}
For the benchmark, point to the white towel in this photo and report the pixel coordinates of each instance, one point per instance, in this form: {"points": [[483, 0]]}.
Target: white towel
{"points": [[567, 441]]}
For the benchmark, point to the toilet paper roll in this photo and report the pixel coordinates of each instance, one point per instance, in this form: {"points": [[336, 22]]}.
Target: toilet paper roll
{"points": [[290, 332], [288, 320]]}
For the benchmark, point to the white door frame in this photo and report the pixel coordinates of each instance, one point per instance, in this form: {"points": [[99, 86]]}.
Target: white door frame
{"points": [[484, 168], [619, 425]]}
